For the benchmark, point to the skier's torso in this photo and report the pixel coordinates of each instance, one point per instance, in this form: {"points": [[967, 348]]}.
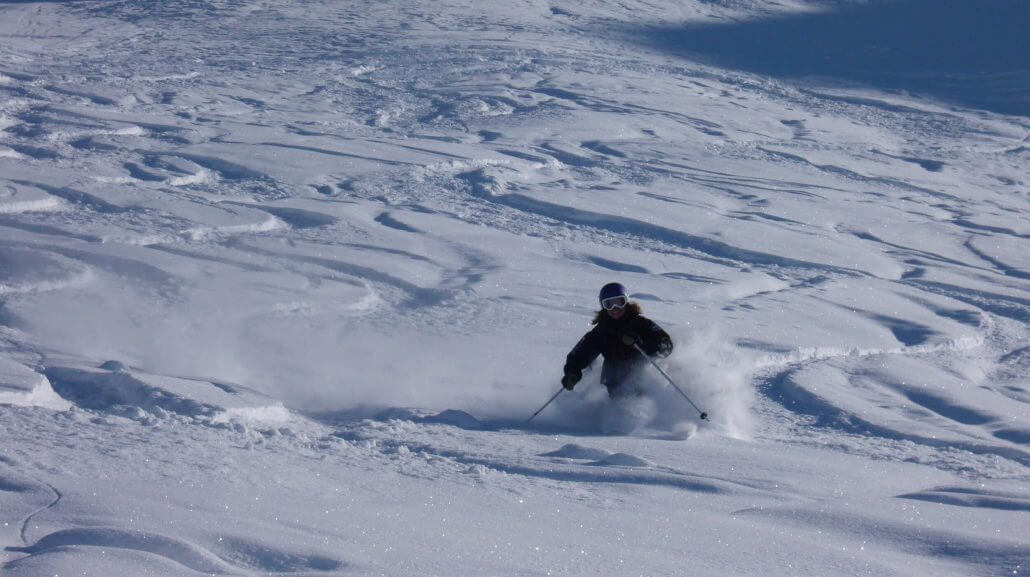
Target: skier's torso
{"points": [[607, 339], [609, 333]]}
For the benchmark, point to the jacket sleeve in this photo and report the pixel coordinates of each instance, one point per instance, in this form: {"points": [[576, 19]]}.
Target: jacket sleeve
{"points": [[656, 342], [584, 353]]}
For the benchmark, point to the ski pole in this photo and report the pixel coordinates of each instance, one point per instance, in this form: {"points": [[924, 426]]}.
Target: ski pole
{"points": [[545, 404], [704, 415]]}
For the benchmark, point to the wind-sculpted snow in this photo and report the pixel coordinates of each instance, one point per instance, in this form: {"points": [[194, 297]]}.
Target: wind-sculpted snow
{"points": [[969, 497], [181, 553], [17, 199], [281, 284]]}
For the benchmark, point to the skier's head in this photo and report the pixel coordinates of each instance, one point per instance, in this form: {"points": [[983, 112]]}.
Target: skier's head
{"points": [[613, 299]]}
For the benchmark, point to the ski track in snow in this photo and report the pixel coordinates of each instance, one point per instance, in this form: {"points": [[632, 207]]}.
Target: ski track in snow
{"points": [[220, 266]]}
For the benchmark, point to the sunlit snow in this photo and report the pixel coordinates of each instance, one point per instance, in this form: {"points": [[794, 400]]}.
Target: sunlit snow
{"points": [[282, 282]]}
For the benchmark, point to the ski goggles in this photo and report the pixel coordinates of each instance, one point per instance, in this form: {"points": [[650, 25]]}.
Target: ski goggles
{"points": [[616, 302]]}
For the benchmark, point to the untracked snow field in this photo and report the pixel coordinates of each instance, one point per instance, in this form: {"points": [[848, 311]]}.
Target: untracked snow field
{"points": [[281, 283]]}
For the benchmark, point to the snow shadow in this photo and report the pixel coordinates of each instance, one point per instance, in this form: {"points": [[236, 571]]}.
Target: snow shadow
{"points": [[969, 53], [788, 389], [561, 422], [972, 497], [572, 463], [108, 391], [233, 555]]}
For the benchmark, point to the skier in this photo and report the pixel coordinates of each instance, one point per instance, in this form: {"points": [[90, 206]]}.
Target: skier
{"points": [[618, 326]]}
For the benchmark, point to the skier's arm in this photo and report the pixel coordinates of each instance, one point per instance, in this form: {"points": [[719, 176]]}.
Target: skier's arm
{"points": [[655, 341], [581, 355]]}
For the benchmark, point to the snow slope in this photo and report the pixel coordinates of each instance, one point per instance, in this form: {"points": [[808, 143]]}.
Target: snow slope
{"points": [[280, 283]]}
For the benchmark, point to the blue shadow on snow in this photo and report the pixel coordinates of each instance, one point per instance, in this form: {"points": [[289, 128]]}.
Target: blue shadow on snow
{"points": [[974, 54]]}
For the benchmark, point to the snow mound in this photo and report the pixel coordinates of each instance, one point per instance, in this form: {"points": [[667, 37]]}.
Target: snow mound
{"points": [[453, 417], [116, 388], [31, 271], [18, 199], [14, 485], [574, 451], [21, 386], [973, 497], [255, 555], [457, 418], [113, 366], [182, 552]]}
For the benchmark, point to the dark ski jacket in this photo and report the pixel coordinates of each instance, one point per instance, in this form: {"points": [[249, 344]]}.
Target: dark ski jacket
{"points": [[606, 339]]}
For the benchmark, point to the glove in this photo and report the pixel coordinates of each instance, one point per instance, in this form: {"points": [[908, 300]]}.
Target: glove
{"points": [[664, 349], [629, 339], [570, 379]]}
